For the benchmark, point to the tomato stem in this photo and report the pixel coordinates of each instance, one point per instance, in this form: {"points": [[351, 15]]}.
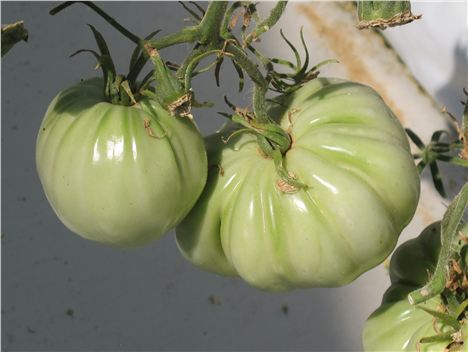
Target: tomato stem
{"points": [[450, 248]]}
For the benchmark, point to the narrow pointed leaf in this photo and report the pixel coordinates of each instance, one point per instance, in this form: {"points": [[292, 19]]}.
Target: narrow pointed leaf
{"points": [[437, 134], [240, 73], [219, 62], [283, 62], [293, 48], [137, 50], [461, 308], [146, 81], [103, 48], [421, 165], [453, 160], [201, 9], [61, 7], [190, 11], [306, 60], [437, 338], [437, 178], [414, 137], [445, 318]]}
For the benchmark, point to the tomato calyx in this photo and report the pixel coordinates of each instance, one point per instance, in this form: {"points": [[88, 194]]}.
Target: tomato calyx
{"points": [[273, 141]]}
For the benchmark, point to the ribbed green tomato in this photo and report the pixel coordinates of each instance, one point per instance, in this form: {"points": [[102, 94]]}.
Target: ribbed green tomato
{"points": [[115, 174], [397, 325], [363, 189]]}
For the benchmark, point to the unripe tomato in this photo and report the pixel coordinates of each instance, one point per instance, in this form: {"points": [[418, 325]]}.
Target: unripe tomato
{"points": [[120, 175], [363, 188]]}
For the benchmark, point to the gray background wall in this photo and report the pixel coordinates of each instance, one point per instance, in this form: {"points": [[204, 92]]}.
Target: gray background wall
{"points": [[62, 293]]}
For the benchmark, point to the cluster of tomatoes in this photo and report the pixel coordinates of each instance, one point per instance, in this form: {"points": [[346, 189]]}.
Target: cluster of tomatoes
{"points": [[125, 175]]}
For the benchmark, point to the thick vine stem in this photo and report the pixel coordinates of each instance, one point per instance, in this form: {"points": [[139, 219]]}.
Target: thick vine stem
{"points": [[211, 23], [450, 247]]}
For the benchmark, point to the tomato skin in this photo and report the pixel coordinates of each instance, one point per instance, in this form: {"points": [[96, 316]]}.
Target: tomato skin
{"points": [[397, 325], [106, 177], [353, 154]]}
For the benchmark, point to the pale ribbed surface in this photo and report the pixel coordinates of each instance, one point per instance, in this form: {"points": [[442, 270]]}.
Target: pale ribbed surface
{"points": [[363, 189], [106, 178]]}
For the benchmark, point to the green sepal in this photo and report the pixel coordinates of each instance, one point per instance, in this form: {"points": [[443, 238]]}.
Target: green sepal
{"points": [[443, 317], [382, 14], [372, 10], [437, 338]]}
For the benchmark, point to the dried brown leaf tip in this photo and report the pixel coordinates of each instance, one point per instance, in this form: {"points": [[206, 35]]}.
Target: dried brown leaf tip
{"points": [[457, 277], [182, 106], [285, 187], [397, 20], [152, 52]]}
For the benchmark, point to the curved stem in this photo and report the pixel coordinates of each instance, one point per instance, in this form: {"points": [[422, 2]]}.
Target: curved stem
{"points": [[225, 30], [449, 237], [195, 52], [267, 23], [261, 84], [134, 38], [192, 65]]}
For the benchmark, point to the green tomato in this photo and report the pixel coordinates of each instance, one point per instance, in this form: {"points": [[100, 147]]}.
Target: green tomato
{"points": [[363, 189], [120, 175], [397, 325]]}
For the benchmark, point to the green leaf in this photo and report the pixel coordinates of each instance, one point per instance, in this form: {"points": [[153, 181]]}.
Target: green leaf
{"points": [[416, 140], [190, 11], [443, 317], [219, 62], [102, 45], [437, 179], [437, 134], [61, 7], [453, 160], [461, 308], [240, 73], [293, 48], [137, 50], [421, 165], [438, 338], [303, 70]]}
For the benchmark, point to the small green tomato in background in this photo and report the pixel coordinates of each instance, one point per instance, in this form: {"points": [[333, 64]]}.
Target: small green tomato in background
{"points": [[120, 175], [399, 326], [363, 188]]}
